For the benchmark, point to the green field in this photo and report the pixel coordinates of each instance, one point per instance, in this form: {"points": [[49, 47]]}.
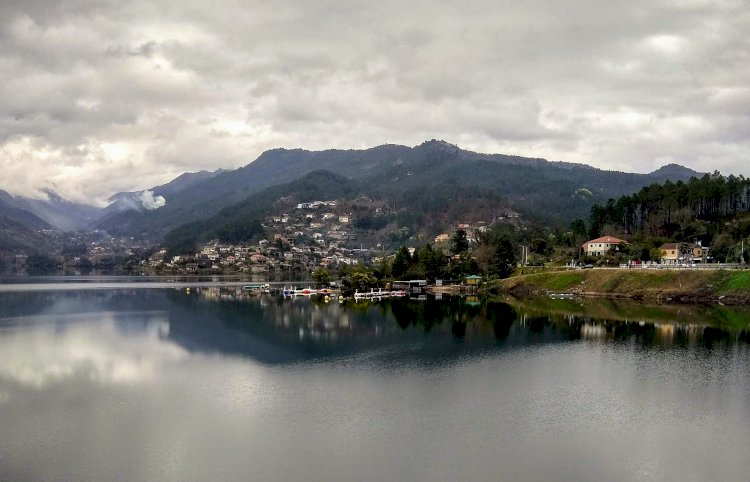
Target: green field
{"points": [[688, 285]]}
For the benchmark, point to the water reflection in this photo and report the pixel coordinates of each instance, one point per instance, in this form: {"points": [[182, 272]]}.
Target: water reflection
{"points": [[220, 384], [100, 349], [273, 329]]}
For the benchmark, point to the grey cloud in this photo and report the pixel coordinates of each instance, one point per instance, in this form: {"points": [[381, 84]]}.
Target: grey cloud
{"points": [[145, 49], [120, 96]]}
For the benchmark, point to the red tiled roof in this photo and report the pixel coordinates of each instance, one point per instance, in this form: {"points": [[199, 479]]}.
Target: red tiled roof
{"points": [[606, 239]]}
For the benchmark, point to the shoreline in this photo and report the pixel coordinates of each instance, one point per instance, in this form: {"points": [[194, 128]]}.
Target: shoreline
{"points": [[729, 287]]}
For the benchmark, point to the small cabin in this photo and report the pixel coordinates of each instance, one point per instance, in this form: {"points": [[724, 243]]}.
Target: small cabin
{"points": [[473, 280]]}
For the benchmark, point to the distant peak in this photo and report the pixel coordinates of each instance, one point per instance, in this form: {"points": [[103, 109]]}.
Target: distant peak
{"points": [[673, 169], [437, 143]]}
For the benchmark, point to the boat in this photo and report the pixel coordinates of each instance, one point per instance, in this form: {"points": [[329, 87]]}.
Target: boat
{"points": [[305, 292], [379, 294], [258, 288]]}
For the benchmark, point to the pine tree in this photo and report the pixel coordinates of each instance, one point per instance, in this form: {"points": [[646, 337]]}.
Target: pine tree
{"points": [[504, 260]]}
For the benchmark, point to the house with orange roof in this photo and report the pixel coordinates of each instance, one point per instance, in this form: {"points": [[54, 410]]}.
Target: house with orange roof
{"points": [[600, 246], [677, 253]]}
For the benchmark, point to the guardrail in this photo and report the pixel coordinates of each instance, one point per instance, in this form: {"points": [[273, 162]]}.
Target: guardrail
{"points": [[689, 266]]}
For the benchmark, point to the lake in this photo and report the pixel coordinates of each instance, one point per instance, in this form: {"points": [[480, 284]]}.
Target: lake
{"points": [[214, 384]]}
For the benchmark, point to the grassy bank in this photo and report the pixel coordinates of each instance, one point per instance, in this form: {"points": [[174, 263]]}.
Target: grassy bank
{"points": [[729, 286]]}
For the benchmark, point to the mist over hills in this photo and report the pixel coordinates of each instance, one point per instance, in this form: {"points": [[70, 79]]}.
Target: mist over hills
{"points": [[11, 210], [19, 228], [149, 198]]}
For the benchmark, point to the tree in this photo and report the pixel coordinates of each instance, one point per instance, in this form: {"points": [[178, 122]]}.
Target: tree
{"points": [[383, 269], [684, 252], [432, 262], [538, 245], [237, 231], [39, 264], [578, 228], [415, 260], [85, 265], [504, 261], [464, 267], [459, 244], [321, 277], [361, 278], [401, 262]]}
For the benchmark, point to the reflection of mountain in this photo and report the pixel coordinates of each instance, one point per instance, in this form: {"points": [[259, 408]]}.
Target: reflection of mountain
{"points": [[295, 329], [403, 331], [273, 330]]}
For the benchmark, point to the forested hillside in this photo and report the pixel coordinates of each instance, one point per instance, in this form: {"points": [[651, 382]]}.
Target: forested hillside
{"points": [[242, 221], [553, 192], [16, 237], [712, 209]]}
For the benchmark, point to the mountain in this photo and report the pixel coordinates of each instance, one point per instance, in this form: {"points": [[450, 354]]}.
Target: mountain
{"points": [[60, 213], [206, 198], [184, 181], [127, 208], [20, 230], [553, 190], [242, 221], [17, 237], [672, 172], [133, 200], [425, 196], [11, 211], [63, 215]]}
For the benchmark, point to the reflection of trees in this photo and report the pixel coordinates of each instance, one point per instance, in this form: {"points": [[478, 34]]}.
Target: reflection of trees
{"points": [[24, 304], [536, 324], [430, 313], [434, 312], [404, 312], [315, 324], [502, 316], [715, 336], [458, 329]]}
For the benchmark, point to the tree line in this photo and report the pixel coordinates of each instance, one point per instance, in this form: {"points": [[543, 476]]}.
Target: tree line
{"points": [[494, 255], [712, 209]]}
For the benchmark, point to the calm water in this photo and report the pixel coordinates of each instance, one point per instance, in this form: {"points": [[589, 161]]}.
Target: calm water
{"points": [[159, 384]]}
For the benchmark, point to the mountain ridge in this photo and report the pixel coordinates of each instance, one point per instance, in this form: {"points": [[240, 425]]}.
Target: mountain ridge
{"points": [[207, 197]]}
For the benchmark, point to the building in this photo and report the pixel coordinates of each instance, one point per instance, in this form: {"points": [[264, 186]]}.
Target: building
{"points": [[600, 246], [680, 253], [473, 280]]}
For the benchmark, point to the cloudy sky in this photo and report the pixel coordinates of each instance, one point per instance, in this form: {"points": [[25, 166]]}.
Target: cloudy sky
{"points": [[103, 96]]}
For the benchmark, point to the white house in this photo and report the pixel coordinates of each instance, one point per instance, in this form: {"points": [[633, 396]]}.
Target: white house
{"points": [[600, 246]]}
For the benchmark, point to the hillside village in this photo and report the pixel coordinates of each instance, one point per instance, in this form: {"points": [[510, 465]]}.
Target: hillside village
{"points": [[296, 233], [302, 237], [307, 236]]}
